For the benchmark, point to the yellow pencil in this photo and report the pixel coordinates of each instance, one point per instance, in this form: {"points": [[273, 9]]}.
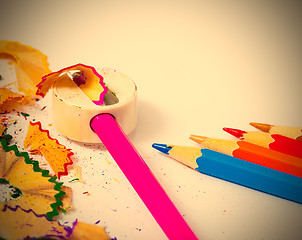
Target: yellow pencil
{"points": [[253, 153], [235, 170], [275, 142], [291, 132]]}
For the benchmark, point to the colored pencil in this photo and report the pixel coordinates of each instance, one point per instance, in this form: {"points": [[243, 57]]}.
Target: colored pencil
{"points": [[275, 142], [141, 178], [237, 171], [291, 132], [253, 153]]}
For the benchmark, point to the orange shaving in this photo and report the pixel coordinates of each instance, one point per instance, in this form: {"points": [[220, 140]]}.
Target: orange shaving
{"points": [[84, 231], [92, 84], [6, 95], [57, 155], [18, 223], [10, 100], [30, 64], [2, 129], [38, 193]]}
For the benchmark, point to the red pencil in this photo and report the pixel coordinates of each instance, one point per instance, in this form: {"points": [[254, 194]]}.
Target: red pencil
{"points": [[275, 142], [291, 132], [253, 153]]}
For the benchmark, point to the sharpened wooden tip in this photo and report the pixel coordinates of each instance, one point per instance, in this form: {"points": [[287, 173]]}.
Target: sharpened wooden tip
{"points": [[198, 139], [262, 126]]}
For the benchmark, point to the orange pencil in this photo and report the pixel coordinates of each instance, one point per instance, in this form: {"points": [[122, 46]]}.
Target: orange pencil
{"points": [[253, 153], [275, 142], [291, 132]]}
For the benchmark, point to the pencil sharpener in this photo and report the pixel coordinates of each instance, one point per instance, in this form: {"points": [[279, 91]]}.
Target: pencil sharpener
{"points": [[72, 109]]}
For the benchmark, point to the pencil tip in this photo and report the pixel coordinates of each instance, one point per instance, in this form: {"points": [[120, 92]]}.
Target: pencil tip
{"points": [[198, 139], [261, 126], [162, 148], [235, 132]]}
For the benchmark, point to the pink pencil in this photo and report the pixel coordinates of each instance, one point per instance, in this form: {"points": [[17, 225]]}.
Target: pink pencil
{"points": [[75, 117], [141, 178]]}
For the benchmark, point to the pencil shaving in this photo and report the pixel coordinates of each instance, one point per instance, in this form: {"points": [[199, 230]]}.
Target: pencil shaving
{"points": [[30, 64], [57, 155]]}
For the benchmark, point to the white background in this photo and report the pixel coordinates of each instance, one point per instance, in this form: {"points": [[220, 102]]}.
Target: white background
{"points": [[199, 66]]}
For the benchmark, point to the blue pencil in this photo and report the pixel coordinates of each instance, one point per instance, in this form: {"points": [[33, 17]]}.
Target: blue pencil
{"points": [[237, 171]]}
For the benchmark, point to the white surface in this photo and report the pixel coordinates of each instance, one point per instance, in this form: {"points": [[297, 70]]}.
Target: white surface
{"points": [[199, 66]]}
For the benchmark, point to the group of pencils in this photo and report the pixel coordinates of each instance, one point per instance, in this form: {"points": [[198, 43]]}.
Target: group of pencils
{"points": [[269, 160]]}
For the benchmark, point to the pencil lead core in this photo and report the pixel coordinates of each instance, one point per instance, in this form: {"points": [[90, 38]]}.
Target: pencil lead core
{"points": [[235, 132], [198, 139], [261, 126], [110, 97], [162, 147]]}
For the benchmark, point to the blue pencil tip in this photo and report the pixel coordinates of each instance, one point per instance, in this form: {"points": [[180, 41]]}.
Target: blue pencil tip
{"points": [[162, 147]]}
